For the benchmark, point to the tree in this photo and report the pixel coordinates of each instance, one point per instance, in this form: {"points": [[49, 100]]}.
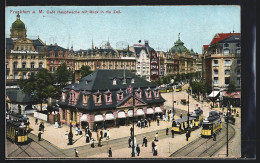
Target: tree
{"points": [[39, 87], [231, 88], [63, 74], [197, 88], [85, 70]]}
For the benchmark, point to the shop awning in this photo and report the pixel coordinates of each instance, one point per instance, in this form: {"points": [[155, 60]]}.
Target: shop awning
{"points": [[149, 111], [158, 110], [232, 95], [213, 94], [139, 112], [98, 118], [110, 116], [83, 118], [130, 113], [121, 114]]}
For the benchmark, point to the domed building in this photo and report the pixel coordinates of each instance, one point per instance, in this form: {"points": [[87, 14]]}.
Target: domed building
{"points": [[23, 56], [185, 57], [18, 29]]}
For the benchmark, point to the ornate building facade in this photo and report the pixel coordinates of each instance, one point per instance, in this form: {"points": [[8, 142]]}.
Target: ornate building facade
{"points": [[105, 98], [143, 60], [108, 58], [222, 61], [23, 56], [154, 65], [187, 62], [58, 55]]}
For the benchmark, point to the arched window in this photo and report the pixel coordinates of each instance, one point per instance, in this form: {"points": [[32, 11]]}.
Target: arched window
{"points": [[40, 65], [32, 64], [15, 65], [227, 72], [24, 65], [114, 81]]}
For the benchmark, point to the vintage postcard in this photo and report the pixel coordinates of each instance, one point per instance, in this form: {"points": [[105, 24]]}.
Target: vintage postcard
{"points": [[103, 82]]}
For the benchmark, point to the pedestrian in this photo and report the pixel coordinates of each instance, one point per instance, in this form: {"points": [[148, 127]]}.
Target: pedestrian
{"points": [[76, 131], [80, 131], [76, 153], [131, 131], [96, 127], [110, 152], [172, 133], [156, 137], [155, 151], [87, 138], [167, 130], [90, 134], [139, 123], [145, 122], [92, 143], [108, 135], [100, 142], [36, 121], [42, 127], [101, 134], [158, 122], [144, 142], [235, 110], [105, 134], [138, 150], [129, 142], [214, 136], [67, 134], [181, 115], [153, 145], [39, 136], [149, 122], [86, 130]]}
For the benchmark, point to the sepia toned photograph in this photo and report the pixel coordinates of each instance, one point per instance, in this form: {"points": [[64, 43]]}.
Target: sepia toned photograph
{"points": [[123, 82]]}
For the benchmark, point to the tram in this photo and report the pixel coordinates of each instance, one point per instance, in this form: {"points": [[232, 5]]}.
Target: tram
{"points": [[16, 131], [178, 88], [198, 114], [181, 125], [20, 118], [212, 124]]}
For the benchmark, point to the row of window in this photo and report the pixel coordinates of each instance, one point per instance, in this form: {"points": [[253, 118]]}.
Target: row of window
{"points": [[227, 62], [227, 80], [15, 75], [32, 65], [108, 96], [226, 72]]}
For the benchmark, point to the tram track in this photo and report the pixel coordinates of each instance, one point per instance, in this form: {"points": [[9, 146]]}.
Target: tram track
{"points": [[204, 147]]}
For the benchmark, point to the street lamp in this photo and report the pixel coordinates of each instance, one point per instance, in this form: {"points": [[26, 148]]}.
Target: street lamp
{"points": [[228, 112], [188, 131], [133, 146], [70, 136]]}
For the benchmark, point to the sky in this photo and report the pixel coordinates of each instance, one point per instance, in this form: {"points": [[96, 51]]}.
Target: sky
{"points": [[160, 25]]}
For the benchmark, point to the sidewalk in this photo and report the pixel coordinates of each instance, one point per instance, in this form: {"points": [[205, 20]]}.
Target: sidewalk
{"points": [[57, 136]]}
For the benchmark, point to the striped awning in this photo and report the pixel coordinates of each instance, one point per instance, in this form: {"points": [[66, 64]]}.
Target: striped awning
{"points": [[121, 114], [158, 110], [139, 112], [110, 116], [130, 113], [98, 118], [149, 111], [83, 118]]}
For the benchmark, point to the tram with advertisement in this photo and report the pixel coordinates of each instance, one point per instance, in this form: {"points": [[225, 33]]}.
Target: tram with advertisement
{"points": [[211, 124], [16, 131]]}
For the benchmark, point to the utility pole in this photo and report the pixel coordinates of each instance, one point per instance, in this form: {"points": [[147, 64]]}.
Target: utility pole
{"points": [[228, 110], [133, 147]]}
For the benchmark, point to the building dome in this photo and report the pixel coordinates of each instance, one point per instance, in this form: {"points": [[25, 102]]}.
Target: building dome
{"points": [[178, 46], [18, 24]]}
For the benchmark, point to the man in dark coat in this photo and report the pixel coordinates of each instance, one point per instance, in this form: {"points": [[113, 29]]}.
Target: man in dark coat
{"points": [[90, 134], [110, 152], [145, 123], [129, 142], [181, 115], [138, 150], [39, 136], [144, 142], [167, 130], [158, 122], [153, 145], [101, 134], [172, 133]]}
